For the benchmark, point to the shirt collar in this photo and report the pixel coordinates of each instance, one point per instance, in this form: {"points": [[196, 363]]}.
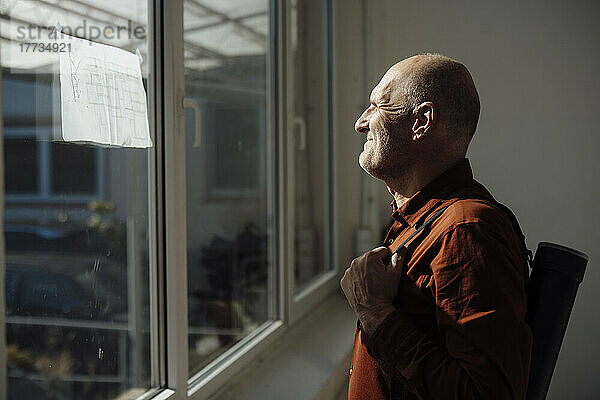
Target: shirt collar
{"points": [[430, 195]]}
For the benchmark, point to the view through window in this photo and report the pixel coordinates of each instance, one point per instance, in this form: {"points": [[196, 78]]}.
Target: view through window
{"points": [[229, 152], [309, 123], [75, 217]]}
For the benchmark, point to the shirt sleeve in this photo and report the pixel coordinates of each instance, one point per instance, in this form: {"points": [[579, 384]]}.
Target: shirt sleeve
{"points": [[480, 310]]}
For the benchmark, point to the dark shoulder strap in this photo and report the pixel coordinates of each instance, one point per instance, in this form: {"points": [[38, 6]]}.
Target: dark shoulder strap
{"points": [[516, 228], [398, 244], [397, 389]]}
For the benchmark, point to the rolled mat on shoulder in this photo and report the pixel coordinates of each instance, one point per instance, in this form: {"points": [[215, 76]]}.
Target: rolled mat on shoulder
{"points": [[556, 274]]}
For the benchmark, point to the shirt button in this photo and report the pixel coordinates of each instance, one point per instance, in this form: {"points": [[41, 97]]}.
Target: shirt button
{"points": [[390, 241], [379, 361], [350, 372]]}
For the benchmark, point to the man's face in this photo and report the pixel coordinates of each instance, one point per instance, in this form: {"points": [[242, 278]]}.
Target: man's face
{"points": [[386, 124]]}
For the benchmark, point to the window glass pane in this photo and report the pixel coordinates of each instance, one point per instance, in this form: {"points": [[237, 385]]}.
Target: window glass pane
{"points": [[229, 217], [237, 148], [73, 168], [21, 165], [75, 218], [309, 122]]}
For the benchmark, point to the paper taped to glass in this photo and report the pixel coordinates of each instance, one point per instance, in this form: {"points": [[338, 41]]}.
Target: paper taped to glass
{"points": [[102, 96]]}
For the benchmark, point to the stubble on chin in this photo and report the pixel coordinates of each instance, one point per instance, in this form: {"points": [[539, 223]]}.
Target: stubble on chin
{"points": [[368, 163], [380, 167]]}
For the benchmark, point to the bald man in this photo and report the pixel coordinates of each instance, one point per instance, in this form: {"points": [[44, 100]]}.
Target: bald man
{"points": [[444, 318]]}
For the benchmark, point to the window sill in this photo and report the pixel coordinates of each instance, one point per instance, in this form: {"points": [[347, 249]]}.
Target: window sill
{"points": [[309, 361]]}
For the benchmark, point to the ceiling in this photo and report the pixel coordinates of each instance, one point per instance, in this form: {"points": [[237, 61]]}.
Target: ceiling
{"points": [[217, 34]]}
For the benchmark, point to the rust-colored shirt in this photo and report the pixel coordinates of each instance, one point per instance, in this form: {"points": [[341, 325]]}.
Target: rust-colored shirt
{"points": [[459, 329]]}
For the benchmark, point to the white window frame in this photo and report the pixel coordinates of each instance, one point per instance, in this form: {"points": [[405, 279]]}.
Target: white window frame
{"points": [[217, 373], [291, 307], [319, 287]]}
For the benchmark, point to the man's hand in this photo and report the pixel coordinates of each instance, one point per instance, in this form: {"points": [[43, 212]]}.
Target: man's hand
{"points": [[370, 286]]}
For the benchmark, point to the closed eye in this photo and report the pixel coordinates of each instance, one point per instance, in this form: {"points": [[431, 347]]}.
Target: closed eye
{"points": [[391, 108]]}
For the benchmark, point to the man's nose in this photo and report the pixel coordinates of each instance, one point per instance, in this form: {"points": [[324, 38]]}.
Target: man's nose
{"points": [[362, 123]]}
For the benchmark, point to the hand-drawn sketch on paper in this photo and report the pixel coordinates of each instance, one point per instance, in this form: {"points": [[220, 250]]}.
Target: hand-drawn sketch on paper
{"points": [[102, 96]]}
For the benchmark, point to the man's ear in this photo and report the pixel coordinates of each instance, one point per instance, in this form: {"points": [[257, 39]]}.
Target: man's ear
{"points": [[424, 115]]}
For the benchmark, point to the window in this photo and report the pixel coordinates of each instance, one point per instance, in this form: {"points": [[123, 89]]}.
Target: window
{"points": [[69, 169], [230, 186], [142, 272], [76, 221], [67, 158], [20, 154], [309, 123], [43, 170], [40, 168], [235, 147]]}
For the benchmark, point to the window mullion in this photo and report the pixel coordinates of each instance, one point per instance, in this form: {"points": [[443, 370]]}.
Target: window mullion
{"points": [[175, 198], [287, 151], [156, 200], [3, 369]]}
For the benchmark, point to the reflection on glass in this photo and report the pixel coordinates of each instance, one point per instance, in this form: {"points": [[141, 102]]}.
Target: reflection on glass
{"points": [[66, 157], [21, 152], [75, 221], [310, 127], [229, 218]]}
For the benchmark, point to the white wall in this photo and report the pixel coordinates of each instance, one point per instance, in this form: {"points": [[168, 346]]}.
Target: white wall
{"points": [[534, 64]]}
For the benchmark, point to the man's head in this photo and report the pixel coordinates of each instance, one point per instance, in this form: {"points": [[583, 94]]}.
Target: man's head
{"points": [[425, 108]]}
